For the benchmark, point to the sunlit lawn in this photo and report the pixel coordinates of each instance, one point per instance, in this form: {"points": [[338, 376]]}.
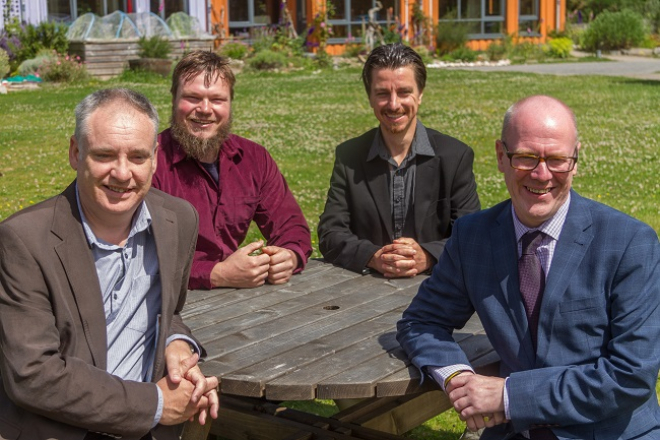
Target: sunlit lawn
{"points": [[301, 117]]}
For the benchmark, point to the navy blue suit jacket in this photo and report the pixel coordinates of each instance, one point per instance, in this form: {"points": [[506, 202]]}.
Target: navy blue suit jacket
{"points": [[594, 372]]}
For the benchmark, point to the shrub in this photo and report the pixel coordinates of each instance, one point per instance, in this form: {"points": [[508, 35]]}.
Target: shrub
{"points": [[154, 47], [450, 35], [614, 30], [236, 51], [559, 47], [63, 68], [267, 59], [32, 66], [4, 63], [462, 54], [525, 51], [26, 41], [499, 50]]}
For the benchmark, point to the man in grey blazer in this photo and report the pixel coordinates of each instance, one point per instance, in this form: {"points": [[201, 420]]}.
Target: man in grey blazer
{"points": [[91, 285], [396, 190], [568, 291]]}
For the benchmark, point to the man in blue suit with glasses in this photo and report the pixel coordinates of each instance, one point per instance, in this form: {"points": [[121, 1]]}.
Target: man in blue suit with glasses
{"points": [[568, 291]]}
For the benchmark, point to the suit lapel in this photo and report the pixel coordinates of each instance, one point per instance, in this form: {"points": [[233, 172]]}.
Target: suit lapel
{"points": [[574, 240], [163, 224], [426, 187], [505, 262], [375, 172], [78, 264]]}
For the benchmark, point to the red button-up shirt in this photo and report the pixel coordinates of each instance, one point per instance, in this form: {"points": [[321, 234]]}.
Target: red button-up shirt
{"points": [[250, 187]]}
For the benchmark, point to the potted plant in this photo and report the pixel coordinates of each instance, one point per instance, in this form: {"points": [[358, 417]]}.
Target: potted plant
{"points": [[154, 55]]}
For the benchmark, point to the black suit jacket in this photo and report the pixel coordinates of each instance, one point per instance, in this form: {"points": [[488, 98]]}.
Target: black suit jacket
{"points": [[357, 219], [52, 324]]}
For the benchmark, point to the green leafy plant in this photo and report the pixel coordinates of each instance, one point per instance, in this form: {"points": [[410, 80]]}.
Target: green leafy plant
{"points": [[32, 66], [26, 41], [4, 63], [559, 47], [614, 30], [450, 34], [499, 50], [461, 54], [234, 50], [63, 68], [267, 60], [154, 47]]}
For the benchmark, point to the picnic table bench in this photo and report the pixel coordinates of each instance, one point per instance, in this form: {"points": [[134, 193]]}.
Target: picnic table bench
{"points": [[328, 333]]}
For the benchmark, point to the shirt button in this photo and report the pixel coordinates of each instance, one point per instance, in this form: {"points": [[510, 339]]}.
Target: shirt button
{"points": [[116, 296]]}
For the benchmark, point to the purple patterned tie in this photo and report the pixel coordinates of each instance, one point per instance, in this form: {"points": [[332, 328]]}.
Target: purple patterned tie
{"points": [[532, 283], [532, 279]]}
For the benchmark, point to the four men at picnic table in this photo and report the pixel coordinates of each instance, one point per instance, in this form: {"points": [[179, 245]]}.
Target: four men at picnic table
{"points": [[91, 285], [575, 321]]}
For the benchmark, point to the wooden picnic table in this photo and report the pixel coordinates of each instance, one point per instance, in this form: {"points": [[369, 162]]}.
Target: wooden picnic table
{"points": [[329, 333]]}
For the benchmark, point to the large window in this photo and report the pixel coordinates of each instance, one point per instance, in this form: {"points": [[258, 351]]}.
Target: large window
{"points": [[247, 14], [528, 20], [165, 8], [484, 18], [60, 10], [349, 16]]}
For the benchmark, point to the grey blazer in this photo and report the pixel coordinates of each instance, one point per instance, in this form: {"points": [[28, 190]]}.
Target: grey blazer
{"points": [[357, 219], [52, 324]]}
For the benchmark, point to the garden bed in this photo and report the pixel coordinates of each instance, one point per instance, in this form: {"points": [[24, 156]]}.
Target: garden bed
{"points": [[109, 58]]}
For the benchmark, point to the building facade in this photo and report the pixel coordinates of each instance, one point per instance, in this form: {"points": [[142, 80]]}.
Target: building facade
{"points": [[487, 20]]}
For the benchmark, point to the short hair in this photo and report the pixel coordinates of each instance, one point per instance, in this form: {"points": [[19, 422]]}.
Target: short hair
{"points": [[538, 101], [104, 97], [394, 56], [213, 66]]}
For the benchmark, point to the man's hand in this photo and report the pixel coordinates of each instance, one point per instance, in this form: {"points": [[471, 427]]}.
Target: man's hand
{"points": [[403, 258], [181, 364], [479, 400], [282, 264], [177, 404], [241, 269]]}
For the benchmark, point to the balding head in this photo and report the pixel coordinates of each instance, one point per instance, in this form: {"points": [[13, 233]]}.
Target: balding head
{"points": [[534, 112]]}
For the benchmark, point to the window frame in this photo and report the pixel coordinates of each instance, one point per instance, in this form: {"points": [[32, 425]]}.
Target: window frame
{"points": [[482, 35]]}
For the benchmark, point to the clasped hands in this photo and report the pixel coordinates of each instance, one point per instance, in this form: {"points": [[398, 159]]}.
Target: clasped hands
{"points": [[186, 391], [403, 258], [244, 269], [478, 400]]}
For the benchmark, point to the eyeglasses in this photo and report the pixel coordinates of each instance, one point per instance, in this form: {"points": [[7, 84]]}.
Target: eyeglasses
{"points": [[529, 162]]}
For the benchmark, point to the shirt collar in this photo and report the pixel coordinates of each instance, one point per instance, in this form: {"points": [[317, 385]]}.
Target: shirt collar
{"points": [[551, 227], [141, 222], [420, 145]]}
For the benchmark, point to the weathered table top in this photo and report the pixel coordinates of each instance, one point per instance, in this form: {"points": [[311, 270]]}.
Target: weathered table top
{"points": [[329, 333]]}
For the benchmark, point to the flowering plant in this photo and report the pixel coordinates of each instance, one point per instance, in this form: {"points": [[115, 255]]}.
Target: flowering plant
{"points": [[63, 68], [321, 30]]}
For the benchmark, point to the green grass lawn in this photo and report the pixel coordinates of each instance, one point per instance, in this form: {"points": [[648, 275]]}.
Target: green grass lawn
{"points": [[301, 117]]}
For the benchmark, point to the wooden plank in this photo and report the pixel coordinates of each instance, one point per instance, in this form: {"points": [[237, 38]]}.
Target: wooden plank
{"points": [[273, 322], [396, 415], [360, 381], [257, 352], [301, 384], [363, 339], [290, 307], [198, 314]]}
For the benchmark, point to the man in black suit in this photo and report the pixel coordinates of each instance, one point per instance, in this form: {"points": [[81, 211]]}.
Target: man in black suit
{"points": [[395, 191]]}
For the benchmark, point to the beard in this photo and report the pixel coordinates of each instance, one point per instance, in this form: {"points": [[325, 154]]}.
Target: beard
{"points": [[196, 147]]}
